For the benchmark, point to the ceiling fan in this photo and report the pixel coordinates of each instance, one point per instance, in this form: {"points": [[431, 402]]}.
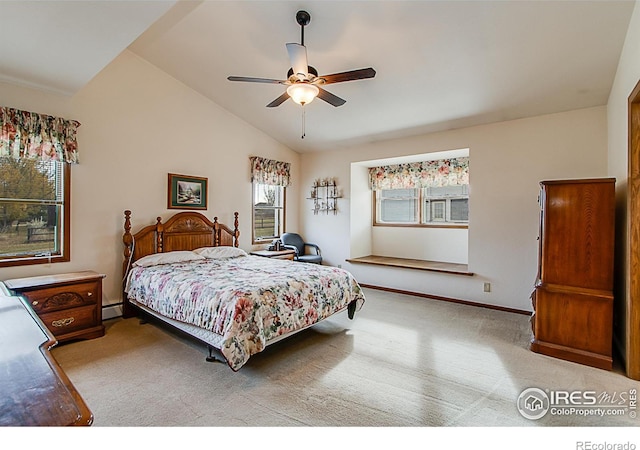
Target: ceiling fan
{"points": [[302, 79]]}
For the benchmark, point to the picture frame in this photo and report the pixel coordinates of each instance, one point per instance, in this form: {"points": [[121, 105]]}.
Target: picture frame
{"points": [[186, 192]]}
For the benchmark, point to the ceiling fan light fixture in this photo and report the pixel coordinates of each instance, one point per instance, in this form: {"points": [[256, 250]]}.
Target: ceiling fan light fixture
{"points": [[302, 93]]}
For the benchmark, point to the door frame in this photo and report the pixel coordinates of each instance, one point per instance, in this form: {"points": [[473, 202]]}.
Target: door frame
{"points": [[632, 300]]}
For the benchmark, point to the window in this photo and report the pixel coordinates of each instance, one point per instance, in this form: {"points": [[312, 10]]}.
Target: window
{"points": [[399, 205], [437, 211], [446, 205], [268, 212], [435, 206], [34, 211]]}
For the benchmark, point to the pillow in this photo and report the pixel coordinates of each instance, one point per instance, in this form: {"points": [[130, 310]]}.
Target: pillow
{"points": [[220, 252], [168, 258]]}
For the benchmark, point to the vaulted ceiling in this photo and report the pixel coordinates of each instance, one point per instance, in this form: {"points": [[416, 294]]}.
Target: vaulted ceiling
{"points": [[439, 64]]}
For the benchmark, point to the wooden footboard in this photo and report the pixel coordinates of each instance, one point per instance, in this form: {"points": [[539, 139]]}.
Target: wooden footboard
{"points": [[183, 231]]}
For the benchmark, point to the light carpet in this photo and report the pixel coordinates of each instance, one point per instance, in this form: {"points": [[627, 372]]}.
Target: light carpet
{"points": [[404, 361]]}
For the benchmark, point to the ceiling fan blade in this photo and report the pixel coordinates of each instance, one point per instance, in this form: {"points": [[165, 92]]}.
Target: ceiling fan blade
{"points": [[330, 98], [256, 80], [351, 75], [298, 58], [279, 101]]}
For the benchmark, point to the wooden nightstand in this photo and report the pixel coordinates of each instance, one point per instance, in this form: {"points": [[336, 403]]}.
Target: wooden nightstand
{"points": [[275, 254], [69, 304]]}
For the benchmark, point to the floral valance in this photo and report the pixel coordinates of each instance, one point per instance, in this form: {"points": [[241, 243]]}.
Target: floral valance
{"points": [[268, 171], [30, 135], [442, 172]]}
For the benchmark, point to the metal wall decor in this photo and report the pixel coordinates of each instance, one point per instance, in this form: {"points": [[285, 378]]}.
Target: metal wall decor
{"points": [[324, 194]]}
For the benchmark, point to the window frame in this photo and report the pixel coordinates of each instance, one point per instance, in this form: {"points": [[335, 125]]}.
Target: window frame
{"points": [[420, 215], [254, 239], [64, 231]]}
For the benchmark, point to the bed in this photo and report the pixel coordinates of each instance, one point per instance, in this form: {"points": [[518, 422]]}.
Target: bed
{"points": [[190, 273]]}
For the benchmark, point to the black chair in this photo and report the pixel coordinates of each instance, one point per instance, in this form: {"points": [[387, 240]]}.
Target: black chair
{"points": [[295, 242]]}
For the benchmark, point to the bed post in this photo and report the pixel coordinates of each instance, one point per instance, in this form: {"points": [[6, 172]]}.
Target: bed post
{"points": [[127, 238], [159, 230], [236, 232], [216, 232]]}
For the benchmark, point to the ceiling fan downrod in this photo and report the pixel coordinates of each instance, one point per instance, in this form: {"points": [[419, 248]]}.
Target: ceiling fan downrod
{"points": [[303, 18]]}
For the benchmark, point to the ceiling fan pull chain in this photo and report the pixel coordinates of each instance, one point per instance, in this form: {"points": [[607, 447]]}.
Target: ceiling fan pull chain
{"points": [[304, 114]]}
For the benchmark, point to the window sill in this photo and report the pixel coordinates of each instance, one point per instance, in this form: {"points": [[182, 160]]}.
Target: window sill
{"points": [[419, 264], [422, 225]]}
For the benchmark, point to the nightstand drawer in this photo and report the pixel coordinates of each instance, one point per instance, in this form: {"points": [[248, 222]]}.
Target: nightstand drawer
{"points": [[69, 320], [62, 297]]}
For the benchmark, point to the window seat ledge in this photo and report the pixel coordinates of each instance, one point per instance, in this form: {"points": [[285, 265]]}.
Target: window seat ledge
{"points": [[419, 264]]}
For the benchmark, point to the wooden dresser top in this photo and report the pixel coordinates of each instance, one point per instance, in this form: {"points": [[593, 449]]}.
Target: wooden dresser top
{"points": [[46, 280], [35, 390]]}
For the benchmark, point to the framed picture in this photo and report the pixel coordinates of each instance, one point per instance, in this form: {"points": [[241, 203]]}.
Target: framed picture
{"points": [[187, 192]]}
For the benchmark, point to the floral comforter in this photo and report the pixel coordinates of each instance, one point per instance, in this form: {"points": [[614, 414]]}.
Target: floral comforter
{"points": [[247, 300]]}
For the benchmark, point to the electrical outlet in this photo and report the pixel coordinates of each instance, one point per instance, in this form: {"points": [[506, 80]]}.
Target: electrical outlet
{"points": [[487, 287]]}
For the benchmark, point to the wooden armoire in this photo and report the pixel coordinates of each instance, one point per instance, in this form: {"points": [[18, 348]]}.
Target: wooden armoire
{"points": [[573, 296]]}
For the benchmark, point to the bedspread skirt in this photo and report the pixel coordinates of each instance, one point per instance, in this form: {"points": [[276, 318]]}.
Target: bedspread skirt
{"points": [[247, 300]]}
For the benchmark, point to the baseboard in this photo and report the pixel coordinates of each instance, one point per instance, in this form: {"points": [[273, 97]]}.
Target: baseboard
{"points": [[111, 311], [447, 299]]}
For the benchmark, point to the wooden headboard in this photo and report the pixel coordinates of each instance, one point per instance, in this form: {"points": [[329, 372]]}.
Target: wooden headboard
{"points": [[183, 231]]}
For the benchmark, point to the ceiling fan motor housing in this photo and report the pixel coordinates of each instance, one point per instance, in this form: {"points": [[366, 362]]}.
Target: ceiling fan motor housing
{"points": [[312, 71]]}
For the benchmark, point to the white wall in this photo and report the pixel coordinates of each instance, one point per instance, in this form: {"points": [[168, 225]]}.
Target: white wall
{"points": [[507, 162], [138, 125], [450, 245], [627, 76], [361, 242]]}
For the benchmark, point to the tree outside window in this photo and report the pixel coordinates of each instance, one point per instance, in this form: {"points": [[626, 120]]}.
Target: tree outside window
{"points": [[34, 219]]}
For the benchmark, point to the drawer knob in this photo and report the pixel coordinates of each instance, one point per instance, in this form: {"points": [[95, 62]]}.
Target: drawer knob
{"points": [[89, 294], [35, 302], [63, 322]]}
